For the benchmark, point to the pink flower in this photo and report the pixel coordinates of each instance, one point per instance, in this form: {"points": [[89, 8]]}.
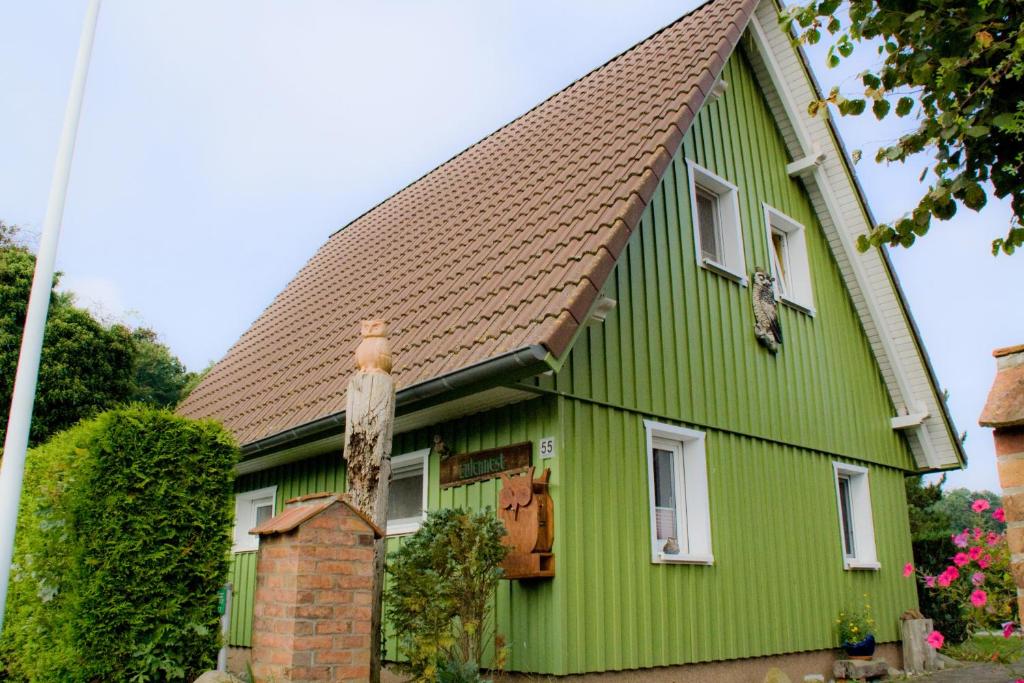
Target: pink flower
{"points": [[978, 532], [960, 559], [979, 598], [935, 639], [929, 581], [908, 569], [944, 580], [975, 552], [980, 505], [984, 561], [1007, 629], [977, 578], [993, 538], [960, 540], [999, 514]]}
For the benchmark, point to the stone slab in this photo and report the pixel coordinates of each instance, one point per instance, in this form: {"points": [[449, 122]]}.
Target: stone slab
{"points": [[860, 669]]}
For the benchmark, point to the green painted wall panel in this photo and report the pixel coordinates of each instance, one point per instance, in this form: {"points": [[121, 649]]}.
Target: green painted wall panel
{"points": [[680, 343], [528, 616], [778, 578]]}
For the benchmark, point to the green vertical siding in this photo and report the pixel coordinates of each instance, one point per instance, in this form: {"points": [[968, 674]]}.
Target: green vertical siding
{"points": [[526, 614], [778, 578], [680, 342]]}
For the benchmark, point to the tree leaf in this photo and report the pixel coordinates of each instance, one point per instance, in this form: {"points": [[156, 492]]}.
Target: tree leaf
{"points": [[903, 106], [880, 108]]}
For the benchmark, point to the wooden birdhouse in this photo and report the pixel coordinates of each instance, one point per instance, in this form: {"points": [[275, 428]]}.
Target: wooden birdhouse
{"points": [[526, 509]]}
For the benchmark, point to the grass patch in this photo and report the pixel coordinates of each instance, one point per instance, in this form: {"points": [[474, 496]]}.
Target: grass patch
{"points": [[987, 649]]}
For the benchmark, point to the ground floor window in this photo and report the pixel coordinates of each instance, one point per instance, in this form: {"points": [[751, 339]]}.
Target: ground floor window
{"points": [[679, 502], [856, 528], [407, 498], [252, 508]]}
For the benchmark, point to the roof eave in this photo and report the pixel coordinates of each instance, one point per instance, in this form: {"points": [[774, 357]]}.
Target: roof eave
{"points": [[509, 367]]}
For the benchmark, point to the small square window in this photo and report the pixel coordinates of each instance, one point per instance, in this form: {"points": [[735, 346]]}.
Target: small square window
{"points": [[856, 528], [679, 508], [715, 212], [252, 508], [788, 257], [407, 497]]}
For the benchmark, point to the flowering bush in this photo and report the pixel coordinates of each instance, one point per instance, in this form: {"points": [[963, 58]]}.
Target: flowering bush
{"points": [[978, 578], [853, 626]]}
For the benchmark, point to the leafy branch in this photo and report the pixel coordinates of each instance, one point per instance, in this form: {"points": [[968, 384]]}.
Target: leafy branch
{"points": [[958, 65]]}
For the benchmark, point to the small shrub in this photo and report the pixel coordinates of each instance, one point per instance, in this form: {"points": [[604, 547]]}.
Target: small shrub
{"points": [[123, 541], [439, 600]]}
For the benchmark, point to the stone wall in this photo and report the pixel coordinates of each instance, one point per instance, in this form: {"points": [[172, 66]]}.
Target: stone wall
{"points": [[313, 593], [1004, 411]]}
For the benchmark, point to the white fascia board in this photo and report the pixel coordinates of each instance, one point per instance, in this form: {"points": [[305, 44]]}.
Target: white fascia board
{"points": [[841, 211]]}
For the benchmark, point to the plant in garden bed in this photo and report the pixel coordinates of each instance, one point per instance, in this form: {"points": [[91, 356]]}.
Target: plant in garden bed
{"points": [[978, 578], [440, 595]]}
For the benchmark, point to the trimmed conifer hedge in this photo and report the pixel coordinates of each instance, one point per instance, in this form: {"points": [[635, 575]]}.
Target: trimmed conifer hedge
{"points": [[123, 541]]}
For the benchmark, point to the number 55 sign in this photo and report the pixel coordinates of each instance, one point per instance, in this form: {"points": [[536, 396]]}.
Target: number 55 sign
{"points": [[547, 447]]}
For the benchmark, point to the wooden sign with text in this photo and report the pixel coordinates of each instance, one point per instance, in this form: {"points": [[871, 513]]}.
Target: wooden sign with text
{"points": [[467, 468]]}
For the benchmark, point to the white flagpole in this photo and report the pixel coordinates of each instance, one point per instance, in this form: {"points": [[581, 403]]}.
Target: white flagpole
{"points": [[12, 468]]}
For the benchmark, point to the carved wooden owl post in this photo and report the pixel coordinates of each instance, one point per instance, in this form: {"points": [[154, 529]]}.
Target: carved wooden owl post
{"points": [[374, 351], [766, 314], [369, 422]]}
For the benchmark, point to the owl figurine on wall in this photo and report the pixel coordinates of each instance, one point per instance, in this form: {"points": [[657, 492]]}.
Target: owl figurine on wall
{"points": [[766, 314], [374, 351]]}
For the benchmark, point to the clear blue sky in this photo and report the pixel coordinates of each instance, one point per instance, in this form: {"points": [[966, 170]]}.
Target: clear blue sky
{"points": [[223, 141]]}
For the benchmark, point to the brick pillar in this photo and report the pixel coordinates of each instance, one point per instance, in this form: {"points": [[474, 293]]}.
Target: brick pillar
{"points": [[314, 580], [1004, 411]]}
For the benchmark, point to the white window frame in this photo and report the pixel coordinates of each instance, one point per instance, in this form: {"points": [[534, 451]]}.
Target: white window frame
{"points": [[404, 463], [691, 494], [799, 293], [865, 554], [728, 205], [245, 518]]}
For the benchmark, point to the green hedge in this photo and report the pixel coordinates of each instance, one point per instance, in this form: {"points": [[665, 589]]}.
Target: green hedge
{"points": [[123, 540]]}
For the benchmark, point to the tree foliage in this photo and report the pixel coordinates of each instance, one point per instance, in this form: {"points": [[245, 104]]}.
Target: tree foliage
{"points": [[957, 65], [122, 543], [927, 521], [159, 377], [442, 582], [86, 366]]}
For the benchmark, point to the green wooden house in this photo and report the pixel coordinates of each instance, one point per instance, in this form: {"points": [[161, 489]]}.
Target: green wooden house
{"points": [[584, 279]]}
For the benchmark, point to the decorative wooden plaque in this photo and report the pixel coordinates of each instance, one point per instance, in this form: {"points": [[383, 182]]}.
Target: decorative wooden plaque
{"points": [[467, 468], [527, 511]]}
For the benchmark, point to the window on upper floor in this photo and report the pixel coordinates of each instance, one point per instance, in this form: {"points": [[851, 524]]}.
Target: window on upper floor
{"points": [[788, 255], [856, 528], [679, 505], [407, 497], [252, 508], [715, 210]]}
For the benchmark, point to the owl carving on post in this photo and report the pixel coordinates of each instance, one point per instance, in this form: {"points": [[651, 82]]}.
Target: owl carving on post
{"points": [[766, 314], [374, 352]]}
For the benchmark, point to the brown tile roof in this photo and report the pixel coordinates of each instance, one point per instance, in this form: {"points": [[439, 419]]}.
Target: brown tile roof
{"points": [[502, 247]]}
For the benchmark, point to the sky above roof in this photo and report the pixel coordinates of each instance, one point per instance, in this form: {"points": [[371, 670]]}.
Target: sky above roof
{"points": [[221, 144]]}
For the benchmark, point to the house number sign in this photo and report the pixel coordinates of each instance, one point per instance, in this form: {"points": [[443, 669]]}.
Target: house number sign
{"points": [[467, 468]]}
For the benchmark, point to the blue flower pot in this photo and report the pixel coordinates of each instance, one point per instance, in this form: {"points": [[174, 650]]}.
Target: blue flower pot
{"points": [[863, 649]]}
